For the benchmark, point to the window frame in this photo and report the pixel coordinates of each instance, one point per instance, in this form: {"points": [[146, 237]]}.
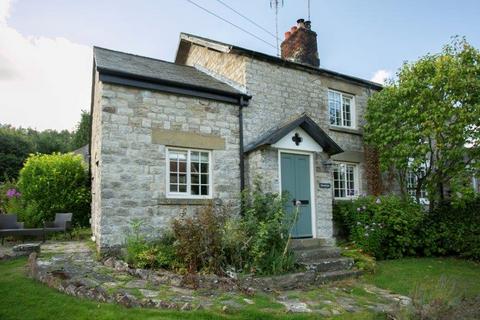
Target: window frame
{"points": [[353, 122], [187, 195], [356, 181]]}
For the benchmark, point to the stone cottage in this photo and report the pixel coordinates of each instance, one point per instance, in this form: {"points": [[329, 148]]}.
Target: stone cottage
{"points": [[168, 137]]}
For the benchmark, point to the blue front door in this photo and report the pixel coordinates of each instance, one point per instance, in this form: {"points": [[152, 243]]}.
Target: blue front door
{"points": [[295, 177]]}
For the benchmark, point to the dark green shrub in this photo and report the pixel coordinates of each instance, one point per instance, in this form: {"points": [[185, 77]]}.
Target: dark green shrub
{"points": [[198, 239], [267, 230], [453, 229], [386, 227], [55, 183]]}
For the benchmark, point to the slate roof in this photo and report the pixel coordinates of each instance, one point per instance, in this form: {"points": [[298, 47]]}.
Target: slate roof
{"points": [[306, 123], [186, 38], [148, 69]]}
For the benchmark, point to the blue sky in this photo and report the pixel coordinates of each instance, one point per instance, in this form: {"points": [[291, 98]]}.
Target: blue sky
{"points": [[354, 37]]}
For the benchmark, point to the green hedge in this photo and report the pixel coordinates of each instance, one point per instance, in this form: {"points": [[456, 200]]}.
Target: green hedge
{"points": [[54, 183], [453, 230], [388, 227]]}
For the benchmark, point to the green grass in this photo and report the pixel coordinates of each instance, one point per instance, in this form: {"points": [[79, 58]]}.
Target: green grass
{"points": [[23, 298], [433, 277]]}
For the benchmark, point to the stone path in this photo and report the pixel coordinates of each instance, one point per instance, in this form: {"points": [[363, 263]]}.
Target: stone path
{"points": [[72, 268]]}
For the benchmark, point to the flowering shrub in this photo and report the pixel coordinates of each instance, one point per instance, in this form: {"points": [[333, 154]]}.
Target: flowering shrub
{"points": [[9, 197], [386, 227]]}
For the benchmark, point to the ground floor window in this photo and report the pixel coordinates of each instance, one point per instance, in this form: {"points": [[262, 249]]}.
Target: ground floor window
{"points": [[188, 173], [412, 181], [345, 180]]}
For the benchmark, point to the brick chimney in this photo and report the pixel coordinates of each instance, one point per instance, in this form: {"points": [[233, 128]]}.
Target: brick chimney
{"points": [[300, 44]]}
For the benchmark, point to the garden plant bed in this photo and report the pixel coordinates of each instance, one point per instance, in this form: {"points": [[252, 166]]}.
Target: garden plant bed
{"points": [[72, 268]]}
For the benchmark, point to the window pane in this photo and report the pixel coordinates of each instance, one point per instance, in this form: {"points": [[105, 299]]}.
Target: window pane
{"points": [[195, 167], [182, 178], [204, 190], [173, 188], [194, 156], [204, 157], [347, 117], [173, 178], [204, 178], [195, 179], [182, 166], [173, 166], [195, 190], [204, 168], [182, 188]]}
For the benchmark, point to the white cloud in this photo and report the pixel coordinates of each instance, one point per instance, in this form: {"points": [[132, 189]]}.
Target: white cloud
{"points": [[381, 76], [4, 10], [44, 82]]}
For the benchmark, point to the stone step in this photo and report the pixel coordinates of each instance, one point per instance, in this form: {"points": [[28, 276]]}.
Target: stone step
{"points": [[324, 277], [330, 264], [309, 243], [316, 253]]}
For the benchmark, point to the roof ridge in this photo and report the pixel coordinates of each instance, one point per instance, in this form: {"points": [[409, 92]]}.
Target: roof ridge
{"points": [[277, 59], [144, 57]]}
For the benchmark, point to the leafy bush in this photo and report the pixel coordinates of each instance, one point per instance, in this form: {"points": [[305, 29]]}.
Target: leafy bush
{"points": [[453, 229], [362, 260], [140, 253], [55, 183], [198, 239], [267, 230], [386, 227]]}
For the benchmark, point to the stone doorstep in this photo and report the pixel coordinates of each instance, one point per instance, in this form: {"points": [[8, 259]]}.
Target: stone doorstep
{"points": [[316, 253], [308, 243], [329, 264]]}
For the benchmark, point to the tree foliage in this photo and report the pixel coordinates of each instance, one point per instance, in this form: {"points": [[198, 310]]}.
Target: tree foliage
{"points": [[427, 120], [81, 135], [14, 149], [17, 143]]}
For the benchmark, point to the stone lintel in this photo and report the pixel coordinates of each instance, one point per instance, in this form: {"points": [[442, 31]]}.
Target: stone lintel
{"points": [[187, 139], [350, 156]]}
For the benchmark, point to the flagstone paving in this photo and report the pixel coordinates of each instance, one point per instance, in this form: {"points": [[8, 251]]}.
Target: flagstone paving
{"points": [[73, 268]]}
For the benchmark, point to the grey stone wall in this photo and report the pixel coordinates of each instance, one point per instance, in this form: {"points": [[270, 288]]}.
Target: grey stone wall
{"points": [[281, 94], [129, 170]]}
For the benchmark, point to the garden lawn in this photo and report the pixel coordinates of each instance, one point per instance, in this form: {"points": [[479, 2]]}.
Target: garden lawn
{"points": [[23, 298], [429, 278]]}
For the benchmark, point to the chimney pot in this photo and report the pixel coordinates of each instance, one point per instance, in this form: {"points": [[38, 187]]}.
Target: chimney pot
{"points": [[301, 23], [300, 44]]}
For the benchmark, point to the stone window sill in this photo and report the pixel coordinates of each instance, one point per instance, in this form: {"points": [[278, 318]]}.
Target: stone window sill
{"points": [[357, 132], [189, 202]]}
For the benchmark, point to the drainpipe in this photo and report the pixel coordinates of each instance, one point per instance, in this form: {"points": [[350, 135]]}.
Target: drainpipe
{"points": [[243, 103]]}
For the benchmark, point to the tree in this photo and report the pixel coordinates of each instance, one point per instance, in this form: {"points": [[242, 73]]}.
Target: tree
{"points": [[81, 135], [14, 149], [427, 120]]}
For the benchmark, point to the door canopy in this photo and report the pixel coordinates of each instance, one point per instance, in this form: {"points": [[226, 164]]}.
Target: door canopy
{"points": [[286, 136]]}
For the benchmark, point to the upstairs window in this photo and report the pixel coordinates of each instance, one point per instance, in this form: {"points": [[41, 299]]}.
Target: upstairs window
{"points": [[412, 181], [345, 180], [341, 109], [189, 173]]}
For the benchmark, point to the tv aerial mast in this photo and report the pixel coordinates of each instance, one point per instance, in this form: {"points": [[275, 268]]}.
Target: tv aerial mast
{"points": [[275, 4]]}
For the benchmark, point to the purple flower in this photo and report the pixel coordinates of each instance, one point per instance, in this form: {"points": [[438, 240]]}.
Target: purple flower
{"points": [[13, 193]]}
